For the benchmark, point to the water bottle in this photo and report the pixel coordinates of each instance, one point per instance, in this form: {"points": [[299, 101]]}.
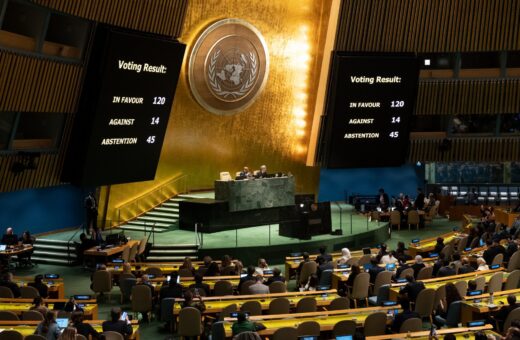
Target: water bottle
{"points": [[491, 299]]}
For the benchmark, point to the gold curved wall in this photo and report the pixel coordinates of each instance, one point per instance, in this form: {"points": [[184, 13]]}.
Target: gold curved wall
{"points": [[275, 129]]}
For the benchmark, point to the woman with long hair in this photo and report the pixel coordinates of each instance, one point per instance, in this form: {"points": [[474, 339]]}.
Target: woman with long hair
{"points": [[186, 264], [452, 295], [48, 327]]}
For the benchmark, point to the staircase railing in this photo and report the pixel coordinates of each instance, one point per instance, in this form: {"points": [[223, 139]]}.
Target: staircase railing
{"points": [[81, 227], [149, 200]]}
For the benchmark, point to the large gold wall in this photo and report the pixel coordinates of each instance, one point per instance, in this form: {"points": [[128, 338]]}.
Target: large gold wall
{"points": [[201, 144]]}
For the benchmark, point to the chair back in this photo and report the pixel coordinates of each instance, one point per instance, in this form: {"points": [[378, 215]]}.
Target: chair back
{"points": [[344, 327], [383, 294], [495, 282], [308, 328], [339, 304], [424, 302], [448, 251], [375, 324], [125, 285], [453, 316], [425, 273], [306, 305], [110, 335], [498, 259], [406, 272], [228, 270], [6, 293], [277, 287], [395, 217], [141, 299], [514, 261], [440, 295], [189, 323], [223, 288], [154, 271], [11, 335], [513, 280], [481, 283], [185, 272], [244, 288], [28, 292], [133, 252], [279, 306], [513, 315], [101, 281], [364, 259], [326, 278], [217, 331], [7, 315], [413, 217], [382, 278], [411, 325], [125, 254], [32, 315], [166, 309], [462, 244], [462, 287], [253, 307], [285, 333], [308, 269], [232, 308], [474, 243], [361, 285]]}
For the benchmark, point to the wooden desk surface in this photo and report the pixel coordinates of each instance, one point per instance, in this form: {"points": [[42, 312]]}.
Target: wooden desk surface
{"points": [[505, 217], [216, 304], [91, 310], [28, 327], [17, 250], [96, 251], [56, 286], [459, 332], [326, 319], [479, 304], [428, 244]]}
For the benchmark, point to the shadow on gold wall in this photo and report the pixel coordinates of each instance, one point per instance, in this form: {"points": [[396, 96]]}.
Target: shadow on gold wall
{"points": [[275, 129]]}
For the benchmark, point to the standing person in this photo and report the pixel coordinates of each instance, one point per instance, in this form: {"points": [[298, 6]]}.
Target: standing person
{"points": [[383, 199], [91, 212], [419, 200], [48, 327]]}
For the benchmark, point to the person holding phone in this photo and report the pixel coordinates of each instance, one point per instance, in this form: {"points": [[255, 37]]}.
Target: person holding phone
{"points": [[115, 324]]}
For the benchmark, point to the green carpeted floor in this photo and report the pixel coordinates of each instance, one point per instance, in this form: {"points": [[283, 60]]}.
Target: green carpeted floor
{"points": [[77, 280]]}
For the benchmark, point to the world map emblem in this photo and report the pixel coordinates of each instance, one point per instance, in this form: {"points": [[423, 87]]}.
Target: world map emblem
{"points": [[228, 66]]}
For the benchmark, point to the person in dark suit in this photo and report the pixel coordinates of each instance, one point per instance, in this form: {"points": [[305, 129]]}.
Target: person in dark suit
{"points": [[277, 277], [439, 246], [438, 264], [122, 327], [84, 329], [412, 288], [262, 173], [7, 281], [323, 265], [466, 267], [249, 277], [382, 199], [402, 266], [446, 270], [91, 212], [512, 247], [323, 255], [244, 174], [502, 314], [494, 248], [404, 315], [40, 286], [418, 265], [419, 200], [200, 286], [9, 237], [172, 289], [374, 269]]}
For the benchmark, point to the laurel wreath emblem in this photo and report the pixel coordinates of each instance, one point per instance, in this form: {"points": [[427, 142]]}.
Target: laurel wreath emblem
{"points": [[215, 86]]}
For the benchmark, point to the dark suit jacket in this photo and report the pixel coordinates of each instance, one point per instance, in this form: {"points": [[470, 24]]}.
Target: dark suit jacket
{"points": [[86, 329], [417, 268], [446, 271], [402, 317], [275, 279], [401, 268], [419, 201], [119, 326], [412, 289], [171, 291], [244, 279], [42, 288], [373, 273], [466, 269], [491, 252], [261, 175], [201, 286]]}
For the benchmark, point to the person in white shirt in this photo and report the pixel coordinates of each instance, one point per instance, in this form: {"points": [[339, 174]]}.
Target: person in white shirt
{"points": [[345, 256], [482, 264], [262, 265], [389, 258]]}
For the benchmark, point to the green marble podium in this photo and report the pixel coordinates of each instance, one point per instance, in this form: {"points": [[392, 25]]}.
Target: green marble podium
{"points": [[256, 193]]}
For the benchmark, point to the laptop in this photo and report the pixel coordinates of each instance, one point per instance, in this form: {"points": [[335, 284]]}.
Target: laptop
{"points": [[3, 247], [390, 266], [62, 323], [344, 337]]}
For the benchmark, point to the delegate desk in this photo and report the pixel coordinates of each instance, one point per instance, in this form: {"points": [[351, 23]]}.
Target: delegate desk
{"points": [[9, 252], [440, 281], [506, 217], [256, 193], [476, 307], [428, 244], [460, 333], [27, 328], [105, 253], [19, 305], [326, 319], [210, 280], [56, 286], [215, 304]]}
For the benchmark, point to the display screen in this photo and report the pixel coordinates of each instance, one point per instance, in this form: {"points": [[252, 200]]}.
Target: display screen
{"points": [[370, 103], [124, 108]]}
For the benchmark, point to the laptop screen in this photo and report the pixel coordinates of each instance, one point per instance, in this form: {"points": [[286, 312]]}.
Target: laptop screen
{"points": [[390, 266], [344, 337], [62, 323], [2, 247]]}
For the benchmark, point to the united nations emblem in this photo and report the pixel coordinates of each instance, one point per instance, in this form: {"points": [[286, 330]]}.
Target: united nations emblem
{"points": [[228, 66]]}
